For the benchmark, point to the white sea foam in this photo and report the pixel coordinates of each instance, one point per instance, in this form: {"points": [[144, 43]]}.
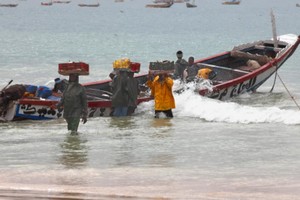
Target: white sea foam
{"points": [[191, 104]]}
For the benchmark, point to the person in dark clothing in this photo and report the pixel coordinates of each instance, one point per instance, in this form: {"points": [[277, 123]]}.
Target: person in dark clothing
{"points": [[74, 103], [120, 97], [180, 65], [133, 92], [12, 93]]}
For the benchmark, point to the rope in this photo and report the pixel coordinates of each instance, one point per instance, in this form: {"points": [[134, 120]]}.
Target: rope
{"points": [[293, 98], [276, 74]]}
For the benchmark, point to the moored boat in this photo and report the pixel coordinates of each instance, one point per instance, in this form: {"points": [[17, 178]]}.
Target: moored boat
{"points": [[233, 2], [10, 5], [191, 5], [47, 3], [160, 5], [89, 5], [61, 1]]}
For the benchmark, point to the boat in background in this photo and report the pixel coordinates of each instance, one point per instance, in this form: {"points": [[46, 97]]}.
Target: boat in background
{"points": [[191, 5], [178, 1], [9, 5], [89, 5], [47, 3], [297, 5], [61, 1], [160, 5], [233, 2]]}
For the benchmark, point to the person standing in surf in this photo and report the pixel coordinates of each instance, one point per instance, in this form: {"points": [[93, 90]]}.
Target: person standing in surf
{"points": [[74, 103], [161, 89]]}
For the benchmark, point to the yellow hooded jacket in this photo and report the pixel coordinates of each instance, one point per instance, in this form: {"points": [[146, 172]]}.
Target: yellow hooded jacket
{"points": [[162, 93], [204, 73]]}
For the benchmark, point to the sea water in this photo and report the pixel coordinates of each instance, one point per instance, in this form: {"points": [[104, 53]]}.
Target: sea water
{"points": [[246, 148]]}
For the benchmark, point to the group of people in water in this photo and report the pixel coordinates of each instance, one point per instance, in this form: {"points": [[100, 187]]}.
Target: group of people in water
{"points": [[125, 90]]}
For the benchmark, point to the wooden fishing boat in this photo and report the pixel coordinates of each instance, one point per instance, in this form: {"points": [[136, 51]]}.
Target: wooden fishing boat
{"points": [[89, 5], [159, 5], [178, 1], [99, 103], [233, 2], [233, 77], [10, 5], [61, 1], [191, 5], [47, 3], [163, 1]]}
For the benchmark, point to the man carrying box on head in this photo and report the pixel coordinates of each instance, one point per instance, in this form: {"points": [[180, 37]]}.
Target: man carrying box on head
{"points": [[161, 89], [74, 103], [74, 100]]}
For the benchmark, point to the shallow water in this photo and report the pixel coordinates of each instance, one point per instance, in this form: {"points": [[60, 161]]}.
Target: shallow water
{"points": [[247, 148]]}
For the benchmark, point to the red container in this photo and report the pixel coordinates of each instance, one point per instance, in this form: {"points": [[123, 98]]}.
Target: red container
{"points": [[135, 67], [79, 68]]}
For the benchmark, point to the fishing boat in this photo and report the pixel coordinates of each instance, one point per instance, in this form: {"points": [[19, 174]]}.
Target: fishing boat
{"points": [[233, 76], [163, 1], [47, 3], [160, 5], [10, 5], [297, 5], [191, 5], [89, 5], [61, 1], [19, 101], [233, 2]]}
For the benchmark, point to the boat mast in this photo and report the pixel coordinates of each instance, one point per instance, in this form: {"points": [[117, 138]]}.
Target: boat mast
{"points": [[274, 29]]}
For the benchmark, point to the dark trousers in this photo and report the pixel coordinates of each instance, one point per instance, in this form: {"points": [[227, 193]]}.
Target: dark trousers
{"points": [[73, 123], [168, 113]]}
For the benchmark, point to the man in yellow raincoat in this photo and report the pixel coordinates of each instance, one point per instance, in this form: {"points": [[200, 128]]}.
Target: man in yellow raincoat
{"points": [[161, 89]]}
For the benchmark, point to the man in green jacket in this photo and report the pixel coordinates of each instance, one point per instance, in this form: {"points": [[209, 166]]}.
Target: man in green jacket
{"points": [[74, 103]]}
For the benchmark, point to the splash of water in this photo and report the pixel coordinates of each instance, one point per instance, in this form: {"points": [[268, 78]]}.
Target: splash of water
{"points": [[191, 104]]}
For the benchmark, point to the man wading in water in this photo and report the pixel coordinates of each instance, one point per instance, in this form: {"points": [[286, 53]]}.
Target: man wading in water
{"points": [[74, 103]]}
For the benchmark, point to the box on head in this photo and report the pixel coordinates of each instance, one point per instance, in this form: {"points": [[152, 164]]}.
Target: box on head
{"points": [[162, 67], [79, 68], [124, 64]]}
